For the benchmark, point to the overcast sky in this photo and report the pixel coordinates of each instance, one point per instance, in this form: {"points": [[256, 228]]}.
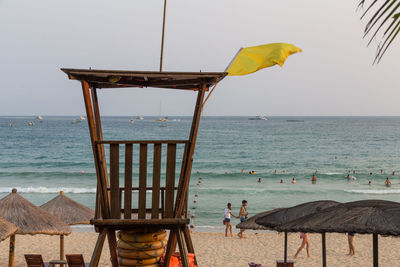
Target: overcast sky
{"points": [[333, 76]]}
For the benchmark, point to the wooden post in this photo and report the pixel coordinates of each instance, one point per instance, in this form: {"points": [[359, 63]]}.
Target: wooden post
{"points": [[12, 251], [62, 247], [182, 248], [323, 249], [100, 164], [285, 250], [162, 37], [375, 250], [94, 262]]}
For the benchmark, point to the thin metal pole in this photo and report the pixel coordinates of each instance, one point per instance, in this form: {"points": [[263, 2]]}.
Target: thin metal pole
{"points": [[375, 250], [285, 253], [323, 249], [162, 38]]}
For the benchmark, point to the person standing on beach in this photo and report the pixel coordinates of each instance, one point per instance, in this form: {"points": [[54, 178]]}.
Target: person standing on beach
{"points": [[305, 242], [350, 239], [227, 219], [243, 216]]}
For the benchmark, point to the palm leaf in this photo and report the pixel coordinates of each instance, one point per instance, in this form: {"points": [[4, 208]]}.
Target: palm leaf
{"points": [[383, 21]]}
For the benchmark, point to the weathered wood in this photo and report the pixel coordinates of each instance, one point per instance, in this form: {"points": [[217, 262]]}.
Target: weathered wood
{"points": [[182, 248], [62, 247], [185, 178], [375, 250], [170, 181], [142, 181], [171, 246], [114, 182], [112, 244], [115, 223], [188, 240], [155, 202], [11, 251], [94, 262], [323, 236], [142, 142], [100, 171], [128, 181]]}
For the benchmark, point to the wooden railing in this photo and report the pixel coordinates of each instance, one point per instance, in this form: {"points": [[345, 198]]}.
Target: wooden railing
{"points": [[159, 193]]}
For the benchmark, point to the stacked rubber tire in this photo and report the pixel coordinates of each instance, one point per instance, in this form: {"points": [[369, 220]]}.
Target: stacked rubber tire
{"points": [[141, 247]]}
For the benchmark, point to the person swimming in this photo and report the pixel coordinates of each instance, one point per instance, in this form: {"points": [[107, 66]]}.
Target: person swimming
{"points": [[259, 180], [252, 172], [370, 174], [293, 180], [275, 172], [282, 182], [369, 183], [388, 183], [314, 179], [348, 177]]}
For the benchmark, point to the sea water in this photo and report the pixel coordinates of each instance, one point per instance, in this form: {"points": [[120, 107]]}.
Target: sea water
{"points": [[56, 155]]}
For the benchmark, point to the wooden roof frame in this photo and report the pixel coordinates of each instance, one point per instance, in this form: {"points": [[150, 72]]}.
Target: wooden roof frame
{"points": [[125, 79], [91, 81]]}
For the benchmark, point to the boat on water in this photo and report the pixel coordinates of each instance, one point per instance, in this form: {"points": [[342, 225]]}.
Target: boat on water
{"points": [[82, 118], [162, 119], [131, 121], [11, 124], [76, 121], [140, 117], [31, 123], [39, 118], [258, 118]]}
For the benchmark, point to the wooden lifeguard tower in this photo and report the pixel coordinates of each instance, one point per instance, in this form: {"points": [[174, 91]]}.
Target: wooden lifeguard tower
{"points": [[115, 207]]}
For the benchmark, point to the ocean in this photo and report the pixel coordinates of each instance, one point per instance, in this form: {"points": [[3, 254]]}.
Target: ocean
{"points": [[56, 155]]}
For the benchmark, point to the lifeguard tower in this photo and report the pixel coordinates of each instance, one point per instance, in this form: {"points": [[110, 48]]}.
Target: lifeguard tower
{"points": [[116, 209]]}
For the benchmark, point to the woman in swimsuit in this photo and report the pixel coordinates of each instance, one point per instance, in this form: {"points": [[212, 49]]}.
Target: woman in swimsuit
{"points": [[227, 219], [305, 242], [243, 216], [350, 239]]}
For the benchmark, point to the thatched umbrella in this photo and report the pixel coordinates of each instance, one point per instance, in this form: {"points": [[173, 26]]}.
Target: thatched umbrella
{"points": [[68, 211], [283, 216], [251, 224], [29, 219], [376, 217], [6, 229]]}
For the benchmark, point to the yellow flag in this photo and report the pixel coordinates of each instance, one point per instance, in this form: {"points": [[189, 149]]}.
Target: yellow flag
{"points": [[252, 59]]}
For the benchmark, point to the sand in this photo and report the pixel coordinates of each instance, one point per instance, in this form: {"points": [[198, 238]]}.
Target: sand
{"points": [[213, 249]]}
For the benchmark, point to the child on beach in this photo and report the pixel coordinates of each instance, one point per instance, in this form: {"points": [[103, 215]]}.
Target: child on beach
{"points": [[243, 216], [305, 242], [227, 219]]}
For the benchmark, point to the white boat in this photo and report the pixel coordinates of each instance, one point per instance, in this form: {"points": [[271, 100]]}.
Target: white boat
{"points": [[132, 121], [140, 117], [259, 118], [31, 123], [82, 118], [39, 117]]}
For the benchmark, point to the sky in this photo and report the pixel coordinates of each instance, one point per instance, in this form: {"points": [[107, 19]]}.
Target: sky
{"points": [[333, 76]]}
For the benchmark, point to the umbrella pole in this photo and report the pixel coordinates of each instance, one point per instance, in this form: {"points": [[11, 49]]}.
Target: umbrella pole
{"points": [[12, 251], [375, 249], [61, 247], [323, 250], [285, 253]]}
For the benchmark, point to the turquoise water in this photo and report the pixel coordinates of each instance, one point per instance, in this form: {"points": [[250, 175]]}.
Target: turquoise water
{"points": [[56, 155]]}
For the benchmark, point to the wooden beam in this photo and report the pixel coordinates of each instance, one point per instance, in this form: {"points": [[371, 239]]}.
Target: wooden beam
{"points": [[323, 235], [142, 142], [170, 181], [155, 202], [114, 182], [182, 248], [115, 223], [128, 181], [185, 178], [375, 250], [142, 181], [112, 244], [94, 262]]}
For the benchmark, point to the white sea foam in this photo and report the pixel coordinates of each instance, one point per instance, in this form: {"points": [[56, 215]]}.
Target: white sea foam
{"points": [[374, 191], [48, 190]]}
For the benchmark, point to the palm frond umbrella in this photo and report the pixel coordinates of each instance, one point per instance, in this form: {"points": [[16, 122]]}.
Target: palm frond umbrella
{"points": [[68, 211], [376, 217], [6, 229], [29, 219], [283, 216]]}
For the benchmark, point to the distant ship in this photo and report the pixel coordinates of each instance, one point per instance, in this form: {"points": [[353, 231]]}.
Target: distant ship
{"points": [[82, 118], [162, 119], [258, 118], [11, 124], [31, 123], [39, 118], [132, 121], [140, 117]]}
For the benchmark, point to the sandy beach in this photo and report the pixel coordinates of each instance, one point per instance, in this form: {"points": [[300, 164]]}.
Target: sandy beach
{"points": [[213, 249]]}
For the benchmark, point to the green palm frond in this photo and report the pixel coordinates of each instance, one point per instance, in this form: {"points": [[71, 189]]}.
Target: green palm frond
{"points": [[384, 19]]}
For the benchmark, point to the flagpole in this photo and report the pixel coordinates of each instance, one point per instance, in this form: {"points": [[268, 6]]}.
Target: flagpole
{"points": [[162, 38]]}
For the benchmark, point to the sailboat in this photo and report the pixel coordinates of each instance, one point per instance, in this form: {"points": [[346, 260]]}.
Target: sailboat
{"points": [[161, 119]]}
